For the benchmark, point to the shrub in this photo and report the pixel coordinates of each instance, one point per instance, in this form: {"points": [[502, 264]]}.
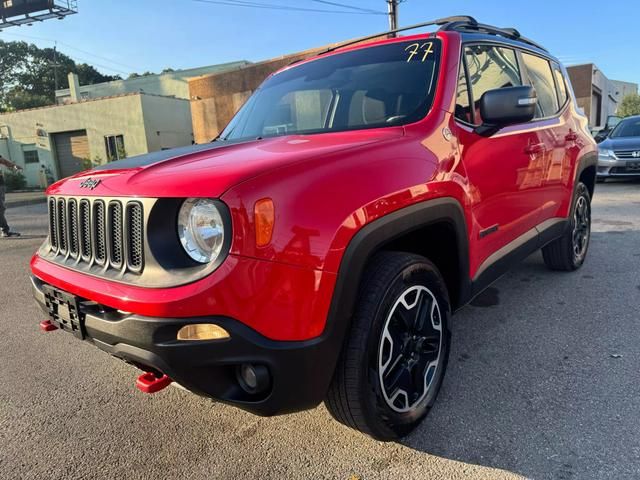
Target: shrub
{"points": [[14, 181], [630, 105]]}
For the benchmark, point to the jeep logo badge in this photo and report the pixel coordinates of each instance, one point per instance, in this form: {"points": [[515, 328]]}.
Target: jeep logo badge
{"points": [[90, 183]]}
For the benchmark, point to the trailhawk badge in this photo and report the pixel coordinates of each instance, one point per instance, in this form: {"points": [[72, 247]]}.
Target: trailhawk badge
{"points": [[90, 183]]}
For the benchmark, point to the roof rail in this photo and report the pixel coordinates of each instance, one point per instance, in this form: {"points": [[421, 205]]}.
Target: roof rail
{"points": [[458, 23], [473, 26], [461, 19]]}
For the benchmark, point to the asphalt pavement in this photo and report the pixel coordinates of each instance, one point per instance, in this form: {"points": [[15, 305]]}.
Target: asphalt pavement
{"points": [[543, 382]]}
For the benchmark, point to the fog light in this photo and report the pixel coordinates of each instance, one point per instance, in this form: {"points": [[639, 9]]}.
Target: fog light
{"points": [[202, 331], [253, 378], [248, 374]]}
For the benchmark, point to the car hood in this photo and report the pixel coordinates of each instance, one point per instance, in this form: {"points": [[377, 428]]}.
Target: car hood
{"points": [[209, 170], [622, 143]]}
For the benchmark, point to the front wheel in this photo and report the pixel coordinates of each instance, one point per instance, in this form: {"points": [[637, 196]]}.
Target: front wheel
{"points": [[569, 251], [394, 359]]}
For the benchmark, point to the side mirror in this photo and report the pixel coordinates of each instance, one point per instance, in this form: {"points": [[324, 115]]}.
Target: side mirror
{"points": [[506, 106]]}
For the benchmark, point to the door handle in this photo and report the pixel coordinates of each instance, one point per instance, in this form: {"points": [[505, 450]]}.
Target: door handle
{"points": [[534, 148], [571, 136]]}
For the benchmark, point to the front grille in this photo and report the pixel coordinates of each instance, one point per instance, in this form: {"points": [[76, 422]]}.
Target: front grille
{"points": [[94, 232], [628, 154], [625, 170]]}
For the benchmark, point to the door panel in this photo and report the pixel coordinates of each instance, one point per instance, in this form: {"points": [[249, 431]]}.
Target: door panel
{"points": [[505, 175], [505, 171], [555, 133]]}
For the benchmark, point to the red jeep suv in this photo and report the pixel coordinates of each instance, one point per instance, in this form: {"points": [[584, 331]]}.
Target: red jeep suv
{"points": [[317, 249]]}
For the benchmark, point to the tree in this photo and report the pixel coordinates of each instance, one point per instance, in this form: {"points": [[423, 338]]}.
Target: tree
{"points": [[27, 75], [138, 75], [630, 105], [87, 75]]}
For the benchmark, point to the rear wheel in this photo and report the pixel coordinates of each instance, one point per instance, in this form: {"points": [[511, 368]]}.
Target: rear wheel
{"points": [[569, 251], [394, 359]]}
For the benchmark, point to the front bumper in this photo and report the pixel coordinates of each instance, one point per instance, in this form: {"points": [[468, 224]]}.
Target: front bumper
{"points": [[299, 371], [618, 168]]}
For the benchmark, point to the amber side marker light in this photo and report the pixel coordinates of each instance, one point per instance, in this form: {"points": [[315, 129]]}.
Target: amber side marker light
{"points": [[202, 331], [264, 218]]}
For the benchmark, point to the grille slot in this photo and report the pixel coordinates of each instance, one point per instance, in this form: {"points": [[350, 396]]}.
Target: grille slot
{"points": [[61, 225], [99, 231], [85, 230], [90, 233], [115, 234], [74, 240], [135, 236], [53, 229]]}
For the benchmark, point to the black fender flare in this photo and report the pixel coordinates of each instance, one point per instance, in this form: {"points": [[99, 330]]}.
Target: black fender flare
{"points": [[587, 160], [373, 236]]}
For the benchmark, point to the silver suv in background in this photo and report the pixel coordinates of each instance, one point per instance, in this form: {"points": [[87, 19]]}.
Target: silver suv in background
{"points": [[620, 153]]}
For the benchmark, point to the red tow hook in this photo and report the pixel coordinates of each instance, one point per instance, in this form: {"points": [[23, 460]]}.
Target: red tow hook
{"points": [[149, 382], [47, 326]]}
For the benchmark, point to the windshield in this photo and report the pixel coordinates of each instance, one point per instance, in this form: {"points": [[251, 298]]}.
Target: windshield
{"points": [[380, 86], [627, 128]]}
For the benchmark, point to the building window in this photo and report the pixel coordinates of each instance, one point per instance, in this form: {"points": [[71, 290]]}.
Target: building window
{"points": [[114, 145], [30, 156]]}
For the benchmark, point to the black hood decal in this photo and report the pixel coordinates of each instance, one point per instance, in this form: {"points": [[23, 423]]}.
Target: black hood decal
{"points": [[163, 155]]}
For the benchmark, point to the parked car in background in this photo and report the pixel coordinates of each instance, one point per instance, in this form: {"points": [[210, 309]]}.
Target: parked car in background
{"points": [[319, 247], [601, 135], [619, 154]]}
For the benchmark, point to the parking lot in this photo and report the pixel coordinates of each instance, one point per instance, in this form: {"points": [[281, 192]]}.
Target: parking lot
{"points": [[543, 382]]}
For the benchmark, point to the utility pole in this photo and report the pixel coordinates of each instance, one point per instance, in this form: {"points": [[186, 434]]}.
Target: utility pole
{"points": [[55, 66], [392, 6]]}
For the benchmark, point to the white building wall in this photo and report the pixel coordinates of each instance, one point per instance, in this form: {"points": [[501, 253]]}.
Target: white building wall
{"points": [[137, 117], [172, 84], [167, 122]]}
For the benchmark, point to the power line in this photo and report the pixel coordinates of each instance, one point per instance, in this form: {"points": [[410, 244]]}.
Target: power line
{"points": [[336, 4], [73, 48], [94, 64], [270, 6]]}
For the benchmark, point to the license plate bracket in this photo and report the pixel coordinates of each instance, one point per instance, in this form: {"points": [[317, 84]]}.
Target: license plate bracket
{"points": [[64, 311], [633, 166]]}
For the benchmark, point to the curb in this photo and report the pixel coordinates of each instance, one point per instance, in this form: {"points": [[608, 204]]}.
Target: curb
{"points": [[24, 203]]}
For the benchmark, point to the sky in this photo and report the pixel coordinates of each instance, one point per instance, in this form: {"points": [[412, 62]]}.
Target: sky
{"points": [[119, 37]]}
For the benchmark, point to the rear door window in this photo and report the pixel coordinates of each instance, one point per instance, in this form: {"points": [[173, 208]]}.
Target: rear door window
{"points": [[561, 84], [541, 78]]}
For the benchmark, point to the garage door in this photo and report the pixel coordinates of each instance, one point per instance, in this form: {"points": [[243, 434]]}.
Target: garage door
{"points": [[71, 149]]}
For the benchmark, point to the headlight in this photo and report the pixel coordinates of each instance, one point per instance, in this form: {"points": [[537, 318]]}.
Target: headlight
{"points": [[606, 155], [201, 229]]}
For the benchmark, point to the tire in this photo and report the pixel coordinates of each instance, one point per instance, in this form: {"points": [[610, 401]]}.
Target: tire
{"points": [[568, 252], [363, 394]]}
